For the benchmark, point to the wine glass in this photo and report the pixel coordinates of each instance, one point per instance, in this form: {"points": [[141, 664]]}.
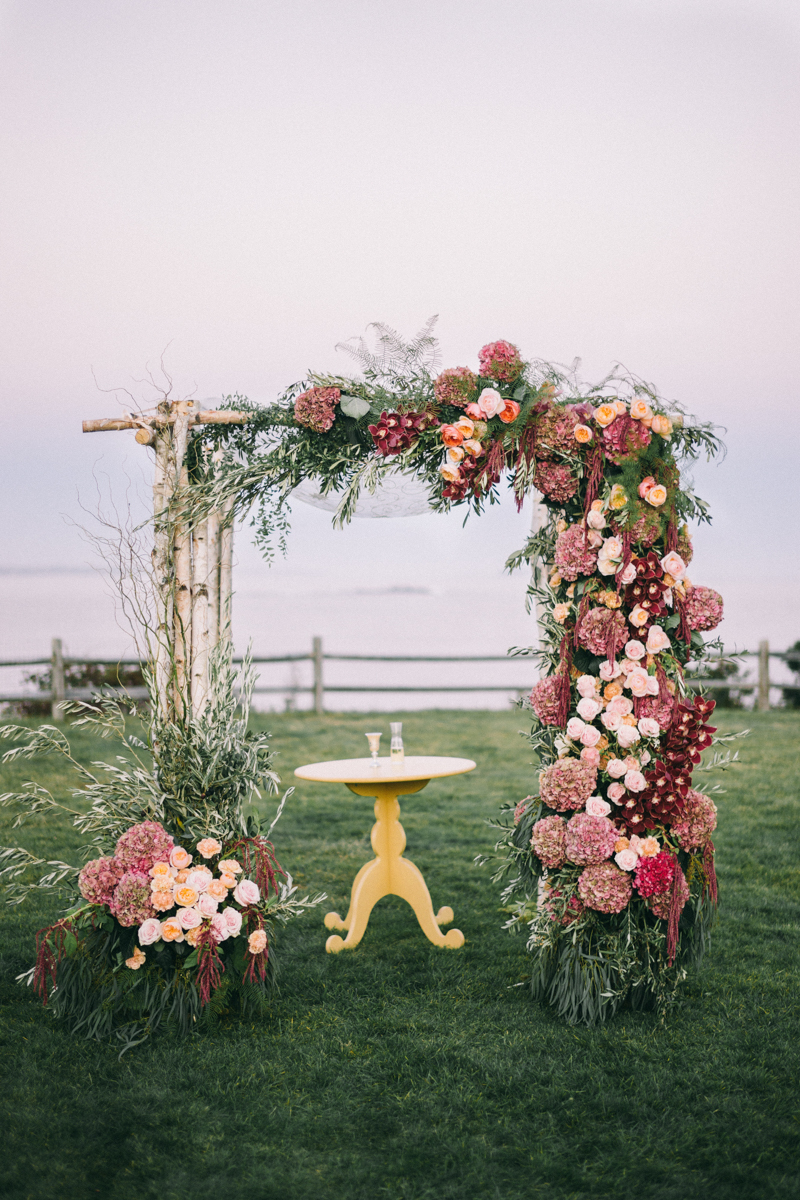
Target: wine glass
{"points": [[374, 740]]}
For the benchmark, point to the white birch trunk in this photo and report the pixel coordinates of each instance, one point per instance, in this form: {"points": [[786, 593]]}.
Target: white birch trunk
{"points": [[212, 527], [226, 577], [200, 633], [182, 622], [162, 574]]}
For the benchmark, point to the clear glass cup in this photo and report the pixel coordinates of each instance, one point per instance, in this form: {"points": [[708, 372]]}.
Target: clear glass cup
{"points": [[396, 750], [374, 740]]}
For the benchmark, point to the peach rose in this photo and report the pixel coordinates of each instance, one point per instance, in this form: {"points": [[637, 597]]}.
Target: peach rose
{"points": [[193, 935], [188, 918], [662, 425], [657, 495], [451, 436], [229, 866], [591, 755], [622, 843], [136, 959], [561, 612], [473, 447], [454, 455], [246, 892], [171, 930], [218, 890], [149, 931], [554, 580], [637, 681], [626, 860], [657, 640], [179, 858], [472, 410], [181, 876], [490, 403], [639, 616], [612, 690], [162, 901], [510, 412], [185, 896], [641, 410], [257, 942], [605, 414], [582, 434], [227, 880], [449, 473], [208, 847], [672, 564], [620, 406], [465, 427], [162, 869]]}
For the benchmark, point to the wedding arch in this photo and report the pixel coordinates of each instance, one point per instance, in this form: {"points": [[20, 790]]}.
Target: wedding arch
{"points": [[609, 863]]}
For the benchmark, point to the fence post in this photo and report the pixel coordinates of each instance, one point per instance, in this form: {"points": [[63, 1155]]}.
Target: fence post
{"points": [[763, 676], [57, 686], [319, 694]]}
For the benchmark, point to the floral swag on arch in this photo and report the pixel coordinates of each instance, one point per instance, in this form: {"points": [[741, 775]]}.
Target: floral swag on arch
{"points": [[611, 861]]}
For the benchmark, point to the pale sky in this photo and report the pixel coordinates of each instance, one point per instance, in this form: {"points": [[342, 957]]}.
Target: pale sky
{"points": [[246, 184]]}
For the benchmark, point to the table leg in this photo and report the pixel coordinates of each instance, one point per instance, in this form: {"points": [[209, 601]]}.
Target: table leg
{"points": [[389, 874]]}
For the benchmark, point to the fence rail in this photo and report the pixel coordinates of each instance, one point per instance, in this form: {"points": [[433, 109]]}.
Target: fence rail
{"points": [[59, 692]]}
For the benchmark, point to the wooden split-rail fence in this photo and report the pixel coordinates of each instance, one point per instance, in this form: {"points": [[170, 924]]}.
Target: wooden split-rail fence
{"points": [[59, 692]]}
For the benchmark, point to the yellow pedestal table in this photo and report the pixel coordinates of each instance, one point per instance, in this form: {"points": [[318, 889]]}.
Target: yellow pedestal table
{"points": [[388, 874]]}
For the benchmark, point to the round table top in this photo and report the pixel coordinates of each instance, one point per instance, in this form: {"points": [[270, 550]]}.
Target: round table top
{"points": [[362, 770]]}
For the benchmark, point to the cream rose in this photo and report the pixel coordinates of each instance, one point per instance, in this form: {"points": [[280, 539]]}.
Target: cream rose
{"points": [[637, 682], [230, 866], [662, 425], [490, 402], [639, 616], [582, 434], [673, 565], [179, 858], [149, 931], [454, 455], [605, 414], [657, 640], [628, 575], [656, 496], [596, 520]]}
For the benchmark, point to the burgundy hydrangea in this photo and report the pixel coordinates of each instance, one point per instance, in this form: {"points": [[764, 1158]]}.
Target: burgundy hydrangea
{"points": [[316, 408], [143, 845], [545, 699], [654, 875], [602, 628], [703, 608], [661, 903], [555, 431], [589, 839], [99, 878], [456, 386], [556, 481], [605, 888], [548, 840], [696, 823], [574, 556], [132, 900], [567, 784], [500, 361], [624, 437]]}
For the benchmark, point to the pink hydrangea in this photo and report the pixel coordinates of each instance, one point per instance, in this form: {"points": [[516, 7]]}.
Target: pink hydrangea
{"points": [[703, 608], [556, 481], [548, 840], [657, 709], [545, 699], [500, 361], [573, 555], [316, 408], [555, 431], [661, 903], [654, 875], [589, 839], [99, 878], [131, 902], [624, 437], [601, 628], [567, 784], [456, 386], [697, 821], [605, 888], [143, 845], [644, 531]]}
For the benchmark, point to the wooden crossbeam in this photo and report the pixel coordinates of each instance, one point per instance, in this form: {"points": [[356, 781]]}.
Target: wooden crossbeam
{"points": [[106, 424]]}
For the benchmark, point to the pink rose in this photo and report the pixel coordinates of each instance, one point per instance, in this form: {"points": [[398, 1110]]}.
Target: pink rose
{"points": [[490, 402], [645, 485], [589, 708], [635, 650], [635, 781], [233, 920], [219, 930], [590, 755], [628, 575], [611, 719], [597, 807], [612, 548], [149, 931], [657, 640], [207, 905], [188, 918], [594, 539], [626, 666], [645, 757], [596, 520], [626, 860], [575, 728], [631, 763], [639, 617], [637, 681], [652, 685], [590, 736], [648, 727], [609, 671], [674, 565], [615, 792], [627, 736], [246, 892], [586, 686], [179, 858], [621, 704], [199, 878], [616, 768]]}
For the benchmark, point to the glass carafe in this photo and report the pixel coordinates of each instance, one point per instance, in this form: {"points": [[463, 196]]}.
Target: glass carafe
{"points": [[396, 750]]}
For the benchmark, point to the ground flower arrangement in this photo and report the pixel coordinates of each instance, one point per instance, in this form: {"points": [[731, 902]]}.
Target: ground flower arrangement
{"points": [[174, 921]]}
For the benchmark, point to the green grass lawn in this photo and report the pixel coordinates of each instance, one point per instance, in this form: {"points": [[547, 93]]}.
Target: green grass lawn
{"points": [[399, 1070]]}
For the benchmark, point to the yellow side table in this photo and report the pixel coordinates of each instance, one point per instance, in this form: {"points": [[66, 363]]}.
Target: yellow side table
{"points": [[388, 874]]}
